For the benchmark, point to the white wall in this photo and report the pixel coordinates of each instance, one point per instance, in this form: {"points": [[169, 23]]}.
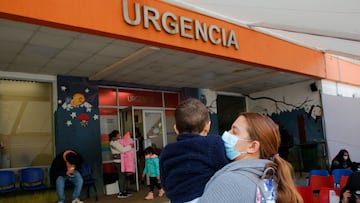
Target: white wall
{"points": [[337, 89], [341, 105]]}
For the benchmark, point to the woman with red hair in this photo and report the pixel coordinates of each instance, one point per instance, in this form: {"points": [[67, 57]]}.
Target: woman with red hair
{"points": [[257, 173]]}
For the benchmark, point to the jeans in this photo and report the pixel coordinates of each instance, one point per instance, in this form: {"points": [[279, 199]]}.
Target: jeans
{"points": [[76, 179]]}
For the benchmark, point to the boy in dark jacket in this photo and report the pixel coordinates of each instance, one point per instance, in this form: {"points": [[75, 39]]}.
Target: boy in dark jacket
{"points": [[187, 165]]}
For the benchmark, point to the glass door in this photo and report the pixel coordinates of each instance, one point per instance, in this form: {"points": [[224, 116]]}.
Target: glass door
{"points": [[154, 129], [126, 117]]}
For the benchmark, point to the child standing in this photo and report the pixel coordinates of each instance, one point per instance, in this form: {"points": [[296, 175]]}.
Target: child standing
{"points": [[152, 169]]}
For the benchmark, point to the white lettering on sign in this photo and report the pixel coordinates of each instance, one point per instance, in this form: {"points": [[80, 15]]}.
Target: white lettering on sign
{"points": [[184, 26]]}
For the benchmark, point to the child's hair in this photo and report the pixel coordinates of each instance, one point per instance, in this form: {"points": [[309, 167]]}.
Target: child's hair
{"points": [[191, 116], [149, 150]]}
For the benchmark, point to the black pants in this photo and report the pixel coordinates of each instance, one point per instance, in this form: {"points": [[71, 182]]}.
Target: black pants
{"points": [[123, 182], [154, 183]]}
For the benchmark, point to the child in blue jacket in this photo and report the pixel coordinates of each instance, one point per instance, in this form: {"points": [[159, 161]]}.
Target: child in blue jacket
{"points": [[152, 169]]}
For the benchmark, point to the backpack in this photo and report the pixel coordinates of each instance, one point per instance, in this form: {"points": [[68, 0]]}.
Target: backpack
{"points": [[266, 188], [266, 191]]}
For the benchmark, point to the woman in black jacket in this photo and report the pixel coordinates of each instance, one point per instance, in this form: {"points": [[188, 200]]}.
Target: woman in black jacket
{"points": [[341, 161]]}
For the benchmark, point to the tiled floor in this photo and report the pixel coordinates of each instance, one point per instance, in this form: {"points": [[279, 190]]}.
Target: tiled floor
{"points": [[136, 198]]}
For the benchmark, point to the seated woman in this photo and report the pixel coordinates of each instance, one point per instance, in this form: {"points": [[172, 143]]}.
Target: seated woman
{"points": [[342, 161]]}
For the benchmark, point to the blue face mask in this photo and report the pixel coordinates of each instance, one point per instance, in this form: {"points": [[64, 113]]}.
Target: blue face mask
{"points": [[230, 142]]}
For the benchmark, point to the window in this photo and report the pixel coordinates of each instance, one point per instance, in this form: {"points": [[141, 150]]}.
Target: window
{"points": [[26, 130]]}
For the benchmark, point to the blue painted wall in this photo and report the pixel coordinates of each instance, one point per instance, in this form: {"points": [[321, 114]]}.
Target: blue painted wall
{"points": [[77, 124], [313, 127]]}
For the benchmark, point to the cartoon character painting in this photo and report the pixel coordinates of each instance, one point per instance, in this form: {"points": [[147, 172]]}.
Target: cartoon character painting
{"points": [[79, 109], [77, 100]]}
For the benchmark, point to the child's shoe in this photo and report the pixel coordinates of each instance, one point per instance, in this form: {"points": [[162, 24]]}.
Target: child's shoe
{"points": [[161, 192], [77, 200], [149, 196]]}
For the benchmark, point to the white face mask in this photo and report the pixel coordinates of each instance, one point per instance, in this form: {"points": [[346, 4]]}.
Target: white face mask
{"points": [[345, 157]]}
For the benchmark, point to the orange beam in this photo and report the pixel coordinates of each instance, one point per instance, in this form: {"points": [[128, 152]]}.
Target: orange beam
{"points": [[339, 70], [106, 18]]}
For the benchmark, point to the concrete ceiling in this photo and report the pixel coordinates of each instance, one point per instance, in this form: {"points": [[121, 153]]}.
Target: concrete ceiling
{"points": [[30, 48]]}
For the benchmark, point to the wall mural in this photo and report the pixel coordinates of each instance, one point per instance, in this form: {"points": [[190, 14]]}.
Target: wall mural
{"points": [[303, 121], [77, 116], [298, 111], [76, 101]]}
